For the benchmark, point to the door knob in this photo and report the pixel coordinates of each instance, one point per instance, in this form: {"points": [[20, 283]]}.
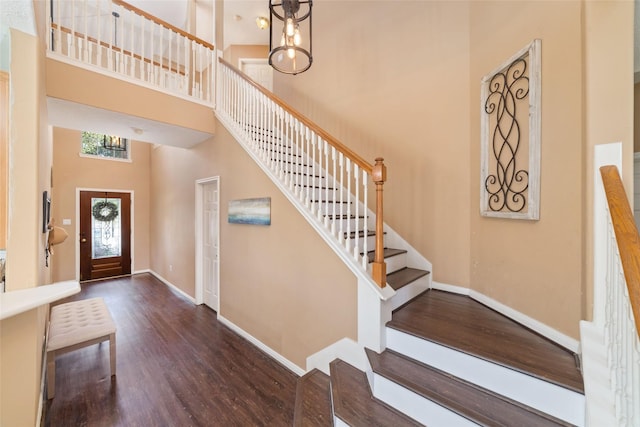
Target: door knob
{"points": [[83, 240]]}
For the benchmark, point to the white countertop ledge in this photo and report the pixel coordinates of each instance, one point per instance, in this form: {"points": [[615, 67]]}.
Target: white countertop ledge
{"points": [[22, 300]]}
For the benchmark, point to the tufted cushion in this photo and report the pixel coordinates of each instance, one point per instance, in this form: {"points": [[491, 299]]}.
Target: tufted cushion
{"points": [[79, 321]]}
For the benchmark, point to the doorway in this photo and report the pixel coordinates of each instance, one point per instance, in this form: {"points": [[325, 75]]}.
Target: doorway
{"points": [[259, 71], [208, 242], [105, 234]]}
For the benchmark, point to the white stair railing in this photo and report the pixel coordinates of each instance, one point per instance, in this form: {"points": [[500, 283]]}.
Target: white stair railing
{"points": [[611, 345], [330, 181], [120, 40]]}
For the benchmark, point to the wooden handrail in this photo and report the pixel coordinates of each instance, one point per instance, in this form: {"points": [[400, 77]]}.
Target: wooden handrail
{"points": [[626, 235], [115, 48], [378, 172], [163, 23], [307, 122]]}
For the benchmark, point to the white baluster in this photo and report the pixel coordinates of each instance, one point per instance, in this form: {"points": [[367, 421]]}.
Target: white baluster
{"points": [[348, 234], [314, 200], [356, 202], [334, 197], [85, 16], [307, 173], [132, 41], [58, 41], [365, 184], [326, 185], [342, 216], [72, 37]]}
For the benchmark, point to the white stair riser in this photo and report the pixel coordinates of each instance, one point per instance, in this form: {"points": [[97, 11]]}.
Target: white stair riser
{"points": [[416, 406], [410, 291], [371, 243], [394, 264], [546, 397]]}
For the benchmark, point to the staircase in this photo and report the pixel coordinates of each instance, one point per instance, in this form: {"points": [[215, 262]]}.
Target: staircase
{"points": [[450, 361], [447, 359]]}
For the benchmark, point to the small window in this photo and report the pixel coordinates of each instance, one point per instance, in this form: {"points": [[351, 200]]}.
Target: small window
{"points": [[105, 146]]}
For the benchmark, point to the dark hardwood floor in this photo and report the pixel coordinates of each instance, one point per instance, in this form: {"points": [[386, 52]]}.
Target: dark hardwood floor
{"points": [[176, 366]]}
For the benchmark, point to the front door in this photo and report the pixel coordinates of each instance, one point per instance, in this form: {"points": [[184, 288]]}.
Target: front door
{"points": [[105, 234]]}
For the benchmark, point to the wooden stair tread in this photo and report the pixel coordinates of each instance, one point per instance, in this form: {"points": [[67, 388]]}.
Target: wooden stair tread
{"points": [[313, 400], [354, 404], [466, 399], [404, 276], [461, 323], [388, 253]]}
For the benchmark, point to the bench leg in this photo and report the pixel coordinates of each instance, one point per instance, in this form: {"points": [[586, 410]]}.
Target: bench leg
{"points": [[51, 374], [112, 353]]}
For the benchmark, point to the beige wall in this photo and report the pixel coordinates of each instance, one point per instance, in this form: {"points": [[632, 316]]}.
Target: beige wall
{"points": [[21, 336], [295, 296], [233, 53], [401, 93], [527, 264], [72, 172]]}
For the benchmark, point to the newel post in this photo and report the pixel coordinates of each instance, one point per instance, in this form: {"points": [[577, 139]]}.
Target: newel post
{"points": [[379, 268]]}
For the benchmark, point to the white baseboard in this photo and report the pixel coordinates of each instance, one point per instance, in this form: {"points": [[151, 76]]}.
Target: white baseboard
{"points": [[262, 346], [146, 270], [546, 331], [172, 286], [450, 288]]}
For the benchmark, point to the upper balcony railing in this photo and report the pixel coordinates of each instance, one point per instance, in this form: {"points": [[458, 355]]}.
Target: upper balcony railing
{"points": [[120, 40]]}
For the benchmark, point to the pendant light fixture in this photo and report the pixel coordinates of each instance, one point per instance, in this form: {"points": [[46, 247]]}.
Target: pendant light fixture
{"points": [[114, 143], [290, 48]]}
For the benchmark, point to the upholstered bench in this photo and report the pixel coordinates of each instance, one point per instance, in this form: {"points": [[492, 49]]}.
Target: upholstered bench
{"points": [[78, 324]]}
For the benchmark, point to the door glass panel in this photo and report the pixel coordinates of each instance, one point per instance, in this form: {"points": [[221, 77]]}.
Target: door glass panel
{"points": [[105, 228]]}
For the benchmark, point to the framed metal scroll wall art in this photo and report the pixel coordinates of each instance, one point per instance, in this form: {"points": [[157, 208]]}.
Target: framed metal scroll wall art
{"points": [[510, 132]]}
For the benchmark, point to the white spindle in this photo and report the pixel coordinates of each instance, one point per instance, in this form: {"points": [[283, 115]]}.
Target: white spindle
{"points": [[356, 174], [72, 45], [132, 40], [314, 199], [342, 216], [121, 54], [365, 183], [348, 235], [85, 15], [333, 191]]}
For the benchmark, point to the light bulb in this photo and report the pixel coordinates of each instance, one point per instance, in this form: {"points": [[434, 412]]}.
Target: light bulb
{"points": [[283, 40], [290, 27], [291, 53], [296, 38]]}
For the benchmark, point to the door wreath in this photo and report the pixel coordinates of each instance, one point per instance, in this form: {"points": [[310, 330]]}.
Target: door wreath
{"points": [[105, 211]]}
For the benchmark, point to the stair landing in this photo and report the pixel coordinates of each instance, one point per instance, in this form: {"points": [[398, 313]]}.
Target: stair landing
{"points": [[461, 323]]}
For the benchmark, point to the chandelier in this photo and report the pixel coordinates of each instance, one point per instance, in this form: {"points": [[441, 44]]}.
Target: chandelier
{"points": [[292, 54]]}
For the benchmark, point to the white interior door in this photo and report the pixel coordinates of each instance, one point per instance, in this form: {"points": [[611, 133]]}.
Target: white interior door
{"points": [[210, 243], [259, 71]]}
